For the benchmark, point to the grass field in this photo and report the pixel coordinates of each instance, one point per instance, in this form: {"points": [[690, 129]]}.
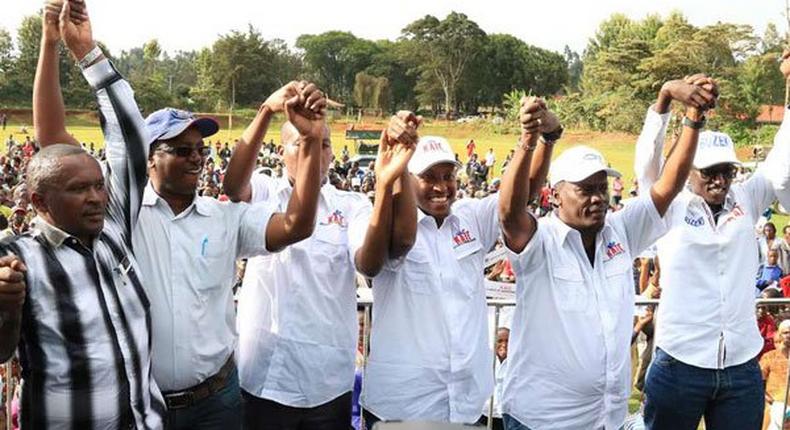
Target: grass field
{"points": [[617, 148]]}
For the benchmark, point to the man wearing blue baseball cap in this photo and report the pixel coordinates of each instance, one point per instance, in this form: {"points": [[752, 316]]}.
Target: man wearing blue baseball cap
{"points": [[707, 336], [187, 245]]}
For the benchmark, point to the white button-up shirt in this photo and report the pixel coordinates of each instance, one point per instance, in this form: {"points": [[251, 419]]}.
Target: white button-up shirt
{"points": [[430, 358], [706, 317], [568, 357], [297, 309], [189, 264]]}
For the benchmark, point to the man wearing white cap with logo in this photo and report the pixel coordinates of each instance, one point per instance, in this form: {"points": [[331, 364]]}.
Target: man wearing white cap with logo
{"points": [[568, 361], [430, 357], [707, 336]]}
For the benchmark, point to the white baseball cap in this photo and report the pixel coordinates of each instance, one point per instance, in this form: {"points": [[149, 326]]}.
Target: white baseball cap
{"points": [[577, 164], [714, 148], [430, 151]]}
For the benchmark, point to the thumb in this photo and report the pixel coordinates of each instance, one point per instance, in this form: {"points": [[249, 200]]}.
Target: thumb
{"points": [[65, 13], [18, 265], [290, 106]]}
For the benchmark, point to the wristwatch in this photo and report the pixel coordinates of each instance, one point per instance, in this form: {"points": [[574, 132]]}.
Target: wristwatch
{"points": [[550, 138], [696, 125]]}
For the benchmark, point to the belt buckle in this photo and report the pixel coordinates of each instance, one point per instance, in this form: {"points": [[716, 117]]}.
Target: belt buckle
{"points": [[179, 400]]}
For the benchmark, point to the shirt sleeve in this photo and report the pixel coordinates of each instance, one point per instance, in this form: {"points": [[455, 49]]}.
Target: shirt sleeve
{"points": [[772, 178], [640, 222], [649, 160], [126, 143], [532, 254], [259, 187], [252, 222], [358, 221], [487, 218]]}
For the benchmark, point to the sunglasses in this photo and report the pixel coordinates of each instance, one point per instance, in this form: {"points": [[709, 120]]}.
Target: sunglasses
{"points": [[185, 151], [726, 171]]}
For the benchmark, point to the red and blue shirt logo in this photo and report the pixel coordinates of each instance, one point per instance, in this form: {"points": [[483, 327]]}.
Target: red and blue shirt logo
{"points": [[614, 249], [335, 217]]}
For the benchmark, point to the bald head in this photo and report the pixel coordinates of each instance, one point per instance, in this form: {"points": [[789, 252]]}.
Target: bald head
{"points": [[289, 136]]}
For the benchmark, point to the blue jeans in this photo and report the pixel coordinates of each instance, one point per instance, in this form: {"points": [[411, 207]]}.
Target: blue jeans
{"points": [[219, 411], [678, 395]]}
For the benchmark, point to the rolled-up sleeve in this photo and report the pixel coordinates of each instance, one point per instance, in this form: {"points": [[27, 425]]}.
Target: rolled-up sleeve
{"points": [[776, 169]]}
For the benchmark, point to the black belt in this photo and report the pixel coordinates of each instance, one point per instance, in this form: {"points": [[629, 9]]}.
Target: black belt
{"points": [[186, 398]]}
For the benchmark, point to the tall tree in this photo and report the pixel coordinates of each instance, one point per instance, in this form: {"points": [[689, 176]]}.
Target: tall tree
{"points": [[444, 49]]}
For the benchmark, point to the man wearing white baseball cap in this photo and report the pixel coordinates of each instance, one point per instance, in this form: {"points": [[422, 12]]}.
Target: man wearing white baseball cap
{"points": [[430, 357], [707, 338], [573, 270]]}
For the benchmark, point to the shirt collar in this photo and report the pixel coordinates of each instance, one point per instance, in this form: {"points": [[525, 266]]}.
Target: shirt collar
{"points": [[284, 187], [53, 235], [422, 217], [563, 230], [150, 198]]}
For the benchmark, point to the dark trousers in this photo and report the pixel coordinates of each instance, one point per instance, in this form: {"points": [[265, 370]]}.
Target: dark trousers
{"points": [[677, 395], [263, 414], [220, 411], [498, 423]]}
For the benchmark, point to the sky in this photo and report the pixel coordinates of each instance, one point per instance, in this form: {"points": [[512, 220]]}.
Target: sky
{"points": [[552, 24]]}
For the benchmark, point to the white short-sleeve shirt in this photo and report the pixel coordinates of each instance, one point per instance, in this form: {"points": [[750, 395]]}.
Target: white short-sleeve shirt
{"points": [[430, 358], [568, 357], [189, 264], [297, 308]]}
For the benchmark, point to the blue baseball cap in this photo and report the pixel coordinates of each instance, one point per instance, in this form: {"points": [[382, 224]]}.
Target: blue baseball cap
{"points": [[168, 123]]}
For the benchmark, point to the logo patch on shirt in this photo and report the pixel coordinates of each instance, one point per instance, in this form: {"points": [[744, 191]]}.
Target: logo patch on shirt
{"points": [[613, 249], [335, 217], [695, 222], [462, 237], [736, 212]]}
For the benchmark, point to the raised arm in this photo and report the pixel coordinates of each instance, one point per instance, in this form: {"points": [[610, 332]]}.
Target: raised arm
{"points": [[305, 111], [518, 226], [776, 168], [404, 200], [396, 148], [125, 137], [242, 163], [648, 159], [678, 165], [49, 115], [551, 131], [12, 297]]}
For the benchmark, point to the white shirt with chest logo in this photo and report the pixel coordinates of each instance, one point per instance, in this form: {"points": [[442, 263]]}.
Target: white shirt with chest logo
{"points": [[297, 318], [568, 357], [707, 317], [430, 358]]}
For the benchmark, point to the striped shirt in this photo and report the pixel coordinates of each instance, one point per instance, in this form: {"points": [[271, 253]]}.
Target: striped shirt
{"points": [[85, 344]]}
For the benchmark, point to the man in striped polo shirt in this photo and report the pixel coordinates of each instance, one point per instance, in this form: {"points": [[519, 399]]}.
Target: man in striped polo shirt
{"points": [[187, 245], [70, 294]]}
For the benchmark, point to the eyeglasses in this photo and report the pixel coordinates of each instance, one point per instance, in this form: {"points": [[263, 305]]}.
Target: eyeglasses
{"points": [[727, 171], [185, 151]]}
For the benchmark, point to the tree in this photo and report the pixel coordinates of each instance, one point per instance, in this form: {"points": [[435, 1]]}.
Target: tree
{"points": [[332, 59], [443, 49]]}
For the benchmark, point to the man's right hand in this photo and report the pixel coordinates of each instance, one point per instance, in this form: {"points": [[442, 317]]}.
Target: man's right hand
{"points": [[50, 21], [276, 101], [12, 283], [305, 110], [77, 34]]}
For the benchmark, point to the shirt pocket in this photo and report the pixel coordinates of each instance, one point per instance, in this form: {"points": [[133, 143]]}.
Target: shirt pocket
{"points": [[469, 271], [617, 278], [213, 254], [417, 273], [329, 248], [570, 291]]}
